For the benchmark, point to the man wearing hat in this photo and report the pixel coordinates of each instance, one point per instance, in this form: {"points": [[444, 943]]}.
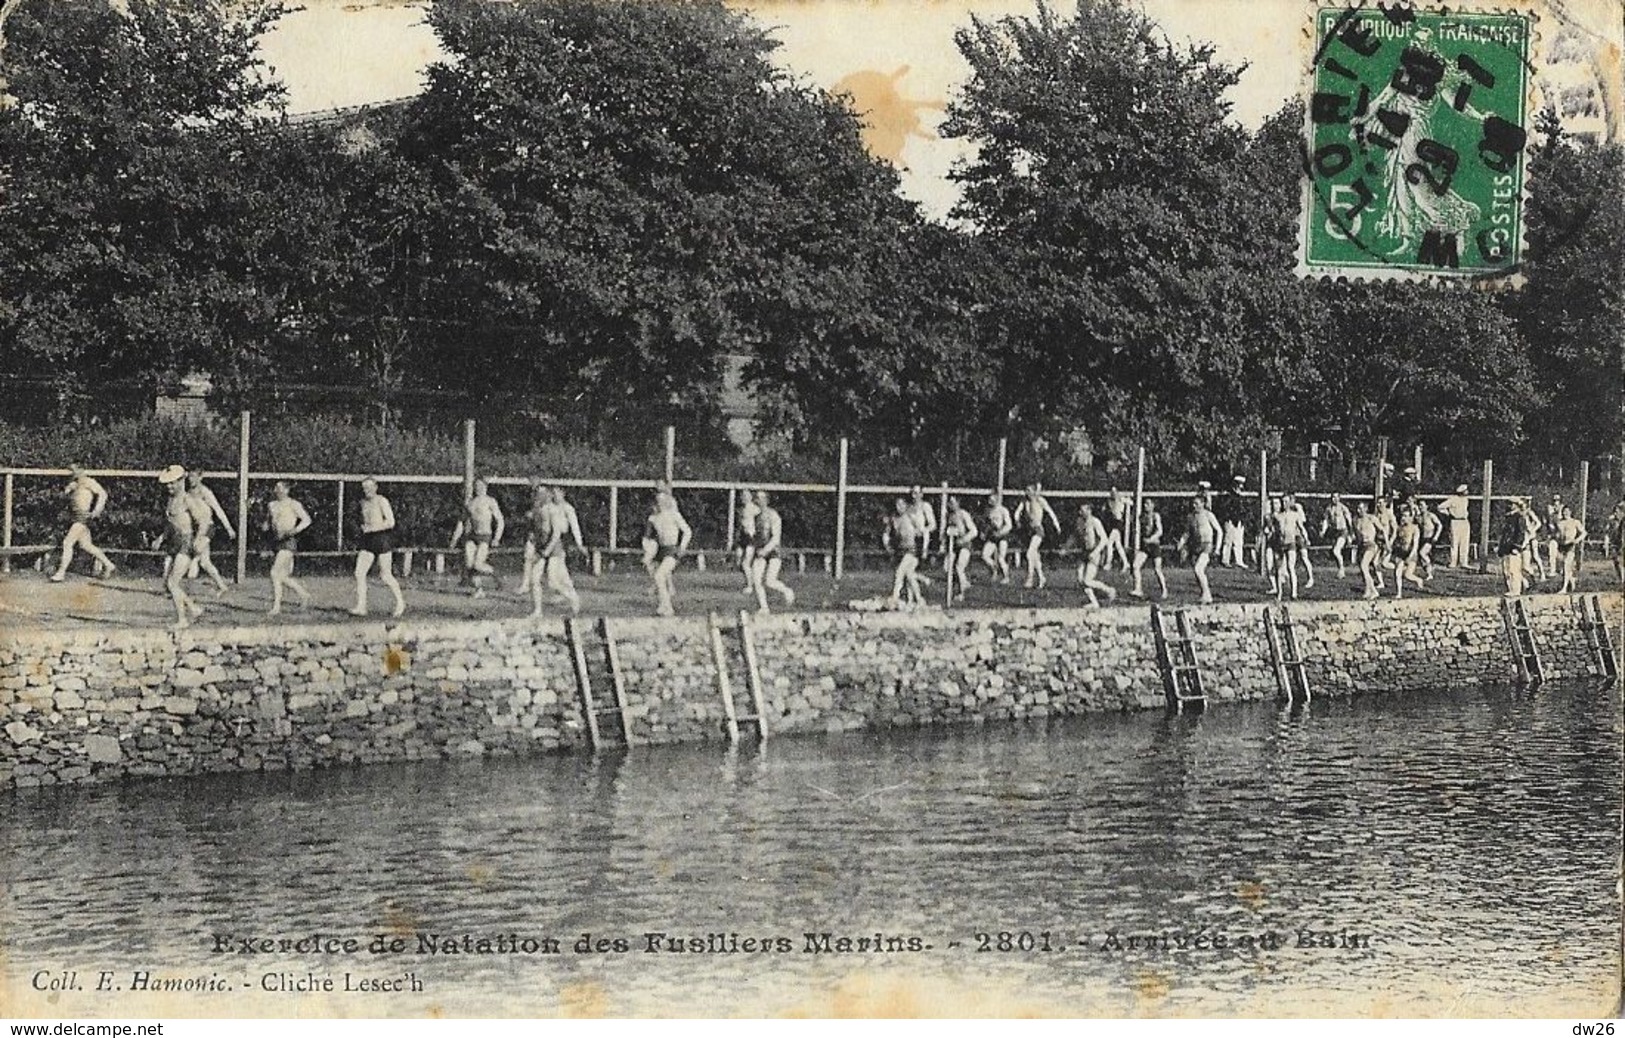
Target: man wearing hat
{"points": [[180, 533], [1454, 510]]}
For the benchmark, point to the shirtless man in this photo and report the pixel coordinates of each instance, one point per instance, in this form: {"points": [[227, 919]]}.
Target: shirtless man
{"points": [[1368, 543], [1337, 522], [1201, 534], [535, 536], [765, 566], [1407, 550], [555, 521], [996, 549], [1116, 521], [1554, 515], [1432, 528], [377, 543], [1300, 541], [665, 537], [1031, 516], [1292, 545], [87, 500], [480, 529], [285, 519], [1571, 533], [748, 511], [958, 542], [179, 534], [206, 511], [1150, 549], [1516, 534], [1616, 534], [1096, 546], [1387, 529], [902, 538]]}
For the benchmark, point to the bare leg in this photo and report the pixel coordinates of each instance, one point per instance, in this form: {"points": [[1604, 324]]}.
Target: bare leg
{"points": [[1201, 576], [363, 563], [558, 578], [758, 575], [386, 570], [665, 588], [1162, 581], [776, 585], [185, 609]]}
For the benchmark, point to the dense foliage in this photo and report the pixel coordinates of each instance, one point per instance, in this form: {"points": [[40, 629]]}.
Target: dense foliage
{"points": [[594, 204]]}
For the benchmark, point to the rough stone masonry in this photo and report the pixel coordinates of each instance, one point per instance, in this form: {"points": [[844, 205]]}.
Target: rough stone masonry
{"points": [[98, 706]]}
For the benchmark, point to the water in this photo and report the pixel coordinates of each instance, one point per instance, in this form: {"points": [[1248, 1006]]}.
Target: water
{"points": [[1471, 836]]}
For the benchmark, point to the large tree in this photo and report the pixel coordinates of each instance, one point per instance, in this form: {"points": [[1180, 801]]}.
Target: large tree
{"points": [[129, 231]]}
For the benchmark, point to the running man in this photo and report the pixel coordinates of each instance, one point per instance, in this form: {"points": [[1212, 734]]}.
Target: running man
{"points": [[206, 511], [1387, 530], [748, 511], [1116, 522], [1554, 514], [665, 537], [1570, 535], [1271, 550], [1368, 543], [179, 534], [479, 530], [285, 520], [1432, 528], [1454, 510], [1150, 548], [1031, 515], [536, 535], [1337, 521], [87, 500], [555, 521], [958, 541], [902, 538], [377, 543], [1292, 546], [765, 566], [1202, 533], [996, 549], [1096, 545], [1406, 550]]}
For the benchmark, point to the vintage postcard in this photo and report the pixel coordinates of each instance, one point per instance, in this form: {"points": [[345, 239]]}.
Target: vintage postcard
{"points": [[653, 508]]}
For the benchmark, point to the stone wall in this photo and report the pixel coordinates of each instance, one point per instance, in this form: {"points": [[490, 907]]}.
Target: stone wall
{"points": [[94, 706]]}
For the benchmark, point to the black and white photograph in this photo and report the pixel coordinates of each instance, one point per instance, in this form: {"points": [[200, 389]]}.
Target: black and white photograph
{"points": [[562, 509]]}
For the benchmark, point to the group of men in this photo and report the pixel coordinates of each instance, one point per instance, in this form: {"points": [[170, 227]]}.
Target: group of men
{"points": [[1398, 532]]}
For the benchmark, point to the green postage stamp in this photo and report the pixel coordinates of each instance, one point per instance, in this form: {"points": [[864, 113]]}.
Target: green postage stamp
{"points": [[1416, 126]]}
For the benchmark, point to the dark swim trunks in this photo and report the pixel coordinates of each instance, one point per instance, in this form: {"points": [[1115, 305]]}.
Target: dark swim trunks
{"points": [[287, 544], [378, 542], [664, 552]]}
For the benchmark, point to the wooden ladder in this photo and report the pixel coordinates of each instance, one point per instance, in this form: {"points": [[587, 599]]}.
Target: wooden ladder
{"points": [[753, 679], [1524, 651], [1176, 652], [1594, 623], [592, 646], [1286, 656]]}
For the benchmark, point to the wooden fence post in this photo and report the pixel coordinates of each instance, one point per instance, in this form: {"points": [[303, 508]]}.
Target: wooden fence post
{"points": [[1585, 491], [468, 458], [1484, 518], [5, 526], [840, 513], [244, 421], [1139, 499]]}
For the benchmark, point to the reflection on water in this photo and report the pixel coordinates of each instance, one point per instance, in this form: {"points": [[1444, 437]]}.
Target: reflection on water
{"points": [[1460, 845]]}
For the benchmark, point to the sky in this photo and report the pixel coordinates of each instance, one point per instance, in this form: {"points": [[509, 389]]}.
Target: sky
{"points": [[897, 59]]}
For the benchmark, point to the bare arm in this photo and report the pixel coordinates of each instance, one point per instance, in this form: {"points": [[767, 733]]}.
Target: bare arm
{"points": [[687, 532], [301, 520], [501, 521], [100, 503], [219, 513], [575, 527]]}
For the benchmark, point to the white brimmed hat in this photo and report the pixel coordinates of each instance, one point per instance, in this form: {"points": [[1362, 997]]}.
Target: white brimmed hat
{"points": [[171, 474], [1461, 488]]}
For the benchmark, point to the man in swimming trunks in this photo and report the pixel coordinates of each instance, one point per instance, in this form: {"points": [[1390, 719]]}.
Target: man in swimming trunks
{"points": [[1407, 549], [206, 512], [556, 521], [1271, 548], [1150, 549], [1532, 558], [1292, 546], [377, 543], [1571, 533], [1337, 521], [536, 535], [766, 564], [87, 500], [1202, 533], [1032, 515], [665, 537], [179, 533], [1387, 530], [1554, 514], [996, 549], [1116, 521], [1616, 535], [1092, 539], [285, 519], [1432, 528], [925, 520], [748, 511], [1454, 511], [479, 530], [958, 542], [1368, 542], [902, 538]]}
